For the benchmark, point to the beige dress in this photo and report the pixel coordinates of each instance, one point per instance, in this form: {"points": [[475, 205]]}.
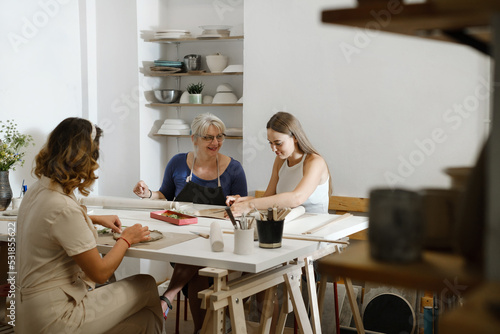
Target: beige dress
{"points": [[53, 293]]}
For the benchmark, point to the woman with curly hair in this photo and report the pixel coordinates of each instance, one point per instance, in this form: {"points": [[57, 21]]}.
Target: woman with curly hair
{"points": [[57, 260]]}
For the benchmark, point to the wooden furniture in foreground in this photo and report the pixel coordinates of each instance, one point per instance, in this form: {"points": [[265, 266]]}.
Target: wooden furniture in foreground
{"points": [[443, 273]]}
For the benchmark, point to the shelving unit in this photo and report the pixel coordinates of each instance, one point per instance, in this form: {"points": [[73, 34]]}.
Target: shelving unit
{"points": [[178, 76]]}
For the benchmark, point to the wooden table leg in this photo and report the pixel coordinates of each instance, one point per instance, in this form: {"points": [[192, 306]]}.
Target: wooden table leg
{"points": [[313, 299], [286, 308], [354, 306], [237, 313], [267, 310], [216, 317], [292, 281]]}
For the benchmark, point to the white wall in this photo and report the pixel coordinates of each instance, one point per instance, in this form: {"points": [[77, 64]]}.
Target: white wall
{"points": [[153, 15], [369, 114], [40, 80]]}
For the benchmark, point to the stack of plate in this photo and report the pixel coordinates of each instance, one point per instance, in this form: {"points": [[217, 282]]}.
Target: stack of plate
{"points": [[234, 132], [214, 31], [174, 126], [168, 63], [174, 34]]}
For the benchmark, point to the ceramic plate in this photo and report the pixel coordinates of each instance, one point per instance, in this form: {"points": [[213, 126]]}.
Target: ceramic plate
{"points": [[215, 27], [209, 36]]}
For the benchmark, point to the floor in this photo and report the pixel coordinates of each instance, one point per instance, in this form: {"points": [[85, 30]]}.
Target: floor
{"points": [[186, 326]]}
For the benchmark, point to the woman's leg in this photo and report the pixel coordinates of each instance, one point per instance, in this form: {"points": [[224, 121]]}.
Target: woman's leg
{"points": [[197, 284], [183, 273], [130, 305]]}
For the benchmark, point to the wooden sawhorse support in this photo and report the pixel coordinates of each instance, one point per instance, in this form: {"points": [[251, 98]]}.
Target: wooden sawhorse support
{"points": [[231, 294]]}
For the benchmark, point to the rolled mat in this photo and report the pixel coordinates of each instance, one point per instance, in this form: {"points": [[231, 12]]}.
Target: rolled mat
{"points": [[216, 240], [295, 213], [131, 203]]}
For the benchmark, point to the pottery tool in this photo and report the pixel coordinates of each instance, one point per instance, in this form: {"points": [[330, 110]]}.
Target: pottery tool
{"points": [[216, 240], [203, 235], [293, 237], [316, 229], [231, 217], [284, 213]]}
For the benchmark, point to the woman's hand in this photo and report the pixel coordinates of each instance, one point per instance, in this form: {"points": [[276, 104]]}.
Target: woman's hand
{"points": [[109, 221], [231, 199], [242, 205], [141, 189], [136, 233]]}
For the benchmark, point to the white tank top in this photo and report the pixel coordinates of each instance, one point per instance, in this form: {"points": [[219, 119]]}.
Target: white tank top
{"points": [[289, 178]]}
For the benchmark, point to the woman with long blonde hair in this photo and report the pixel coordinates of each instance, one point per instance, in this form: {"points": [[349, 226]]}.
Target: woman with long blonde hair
{"points": [[300, 175]]}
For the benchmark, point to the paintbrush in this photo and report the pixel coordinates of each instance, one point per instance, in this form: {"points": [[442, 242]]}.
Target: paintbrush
{"points": [[231, 217]]}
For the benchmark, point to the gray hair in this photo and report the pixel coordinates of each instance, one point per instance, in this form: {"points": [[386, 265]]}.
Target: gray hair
{"points": [[202, 122]]}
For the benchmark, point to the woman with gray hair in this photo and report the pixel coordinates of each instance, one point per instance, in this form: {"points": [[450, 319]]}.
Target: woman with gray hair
{"points": [[202, 176]]}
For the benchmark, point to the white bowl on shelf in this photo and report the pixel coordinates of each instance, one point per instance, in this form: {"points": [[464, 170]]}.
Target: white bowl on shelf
{"points": [[225, 98], [207, 99], [216, 63], [184, 97], [225, 87]]}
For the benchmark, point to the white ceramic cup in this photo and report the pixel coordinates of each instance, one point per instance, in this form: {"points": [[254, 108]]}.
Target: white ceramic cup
{"points": [[243, 241]]}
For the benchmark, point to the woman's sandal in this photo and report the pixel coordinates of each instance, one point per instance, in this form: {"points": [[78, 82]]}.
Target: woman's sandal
{"points": [[169, 304]]}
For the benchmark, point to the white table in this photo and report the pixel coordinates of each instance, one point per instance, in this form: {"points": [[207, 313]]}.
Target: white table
{"points": [[268, 266]]}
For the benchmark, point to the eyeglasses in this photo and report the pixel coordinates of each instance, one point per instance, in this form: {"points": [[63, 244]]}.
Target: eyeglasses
{"points": [[208, 138]]}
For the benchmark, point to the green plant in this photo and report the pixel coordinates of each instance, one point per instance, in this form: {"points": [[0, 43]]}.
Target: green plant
{"points": [[11, 145], [195, 88]]}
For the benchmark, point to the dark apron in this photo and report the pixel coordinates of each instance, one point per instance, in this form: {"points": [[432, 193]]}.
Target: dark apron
{"points": [[193, 192]]}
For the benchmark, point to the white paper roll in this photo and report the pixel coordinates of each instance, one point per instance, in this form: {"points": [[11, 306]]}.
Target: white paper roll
{"points": [[295, 213], [132, 203], [216, 240]]}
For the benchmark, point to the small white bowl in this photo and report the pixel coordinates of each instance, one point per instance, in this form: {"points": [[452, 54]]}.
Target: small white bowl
{"points": [[225, 98], [207, 99], [225, 87]]}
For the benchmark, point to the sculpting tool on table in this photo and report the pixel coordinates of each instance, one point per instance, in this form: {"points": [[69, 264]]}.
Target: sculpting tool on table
{"points": [[203, 235]]}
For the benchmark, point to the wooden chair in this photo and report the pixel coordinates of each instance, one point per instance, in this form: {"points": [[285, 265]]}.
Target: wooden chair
{"points": [[341, 205]]}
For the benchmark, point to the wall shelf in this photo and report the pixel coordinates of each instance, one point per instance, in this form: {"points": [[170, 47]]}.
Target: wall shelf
{"points": [[194, 39], [454, 21], [195, 105], [161, 74]]}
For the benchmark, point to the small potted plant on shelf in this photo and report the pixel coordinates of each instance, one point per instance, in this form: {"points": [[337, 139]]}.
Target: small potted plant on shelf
{"points": [[194, 91]]}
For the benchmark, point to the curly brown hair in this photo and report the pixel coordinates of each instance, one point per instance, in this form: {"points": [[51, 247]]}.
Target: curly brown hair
{"points": [[70, 155]]}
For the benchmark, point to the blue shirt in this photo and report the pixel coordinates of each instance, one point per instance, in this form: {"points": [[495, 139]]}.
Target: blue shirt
{"points": [[233, 180]]}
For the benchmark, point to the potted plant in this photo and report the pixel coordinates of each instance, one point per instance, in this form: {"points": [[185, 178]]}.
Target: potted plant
{"points": [[11, 154], [194, 91]]}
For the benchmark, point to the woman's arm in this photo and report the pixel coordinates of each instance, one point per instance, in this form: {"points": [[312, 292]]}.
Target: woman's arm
{"points": [[142, 190], [109, 221], [313, 174], [98, 268]]}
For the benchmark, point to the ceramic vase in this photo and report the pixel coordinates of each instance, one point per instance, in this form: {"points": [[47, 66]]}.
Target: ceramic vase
{"points": [[5, 190], [195, 98]]}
